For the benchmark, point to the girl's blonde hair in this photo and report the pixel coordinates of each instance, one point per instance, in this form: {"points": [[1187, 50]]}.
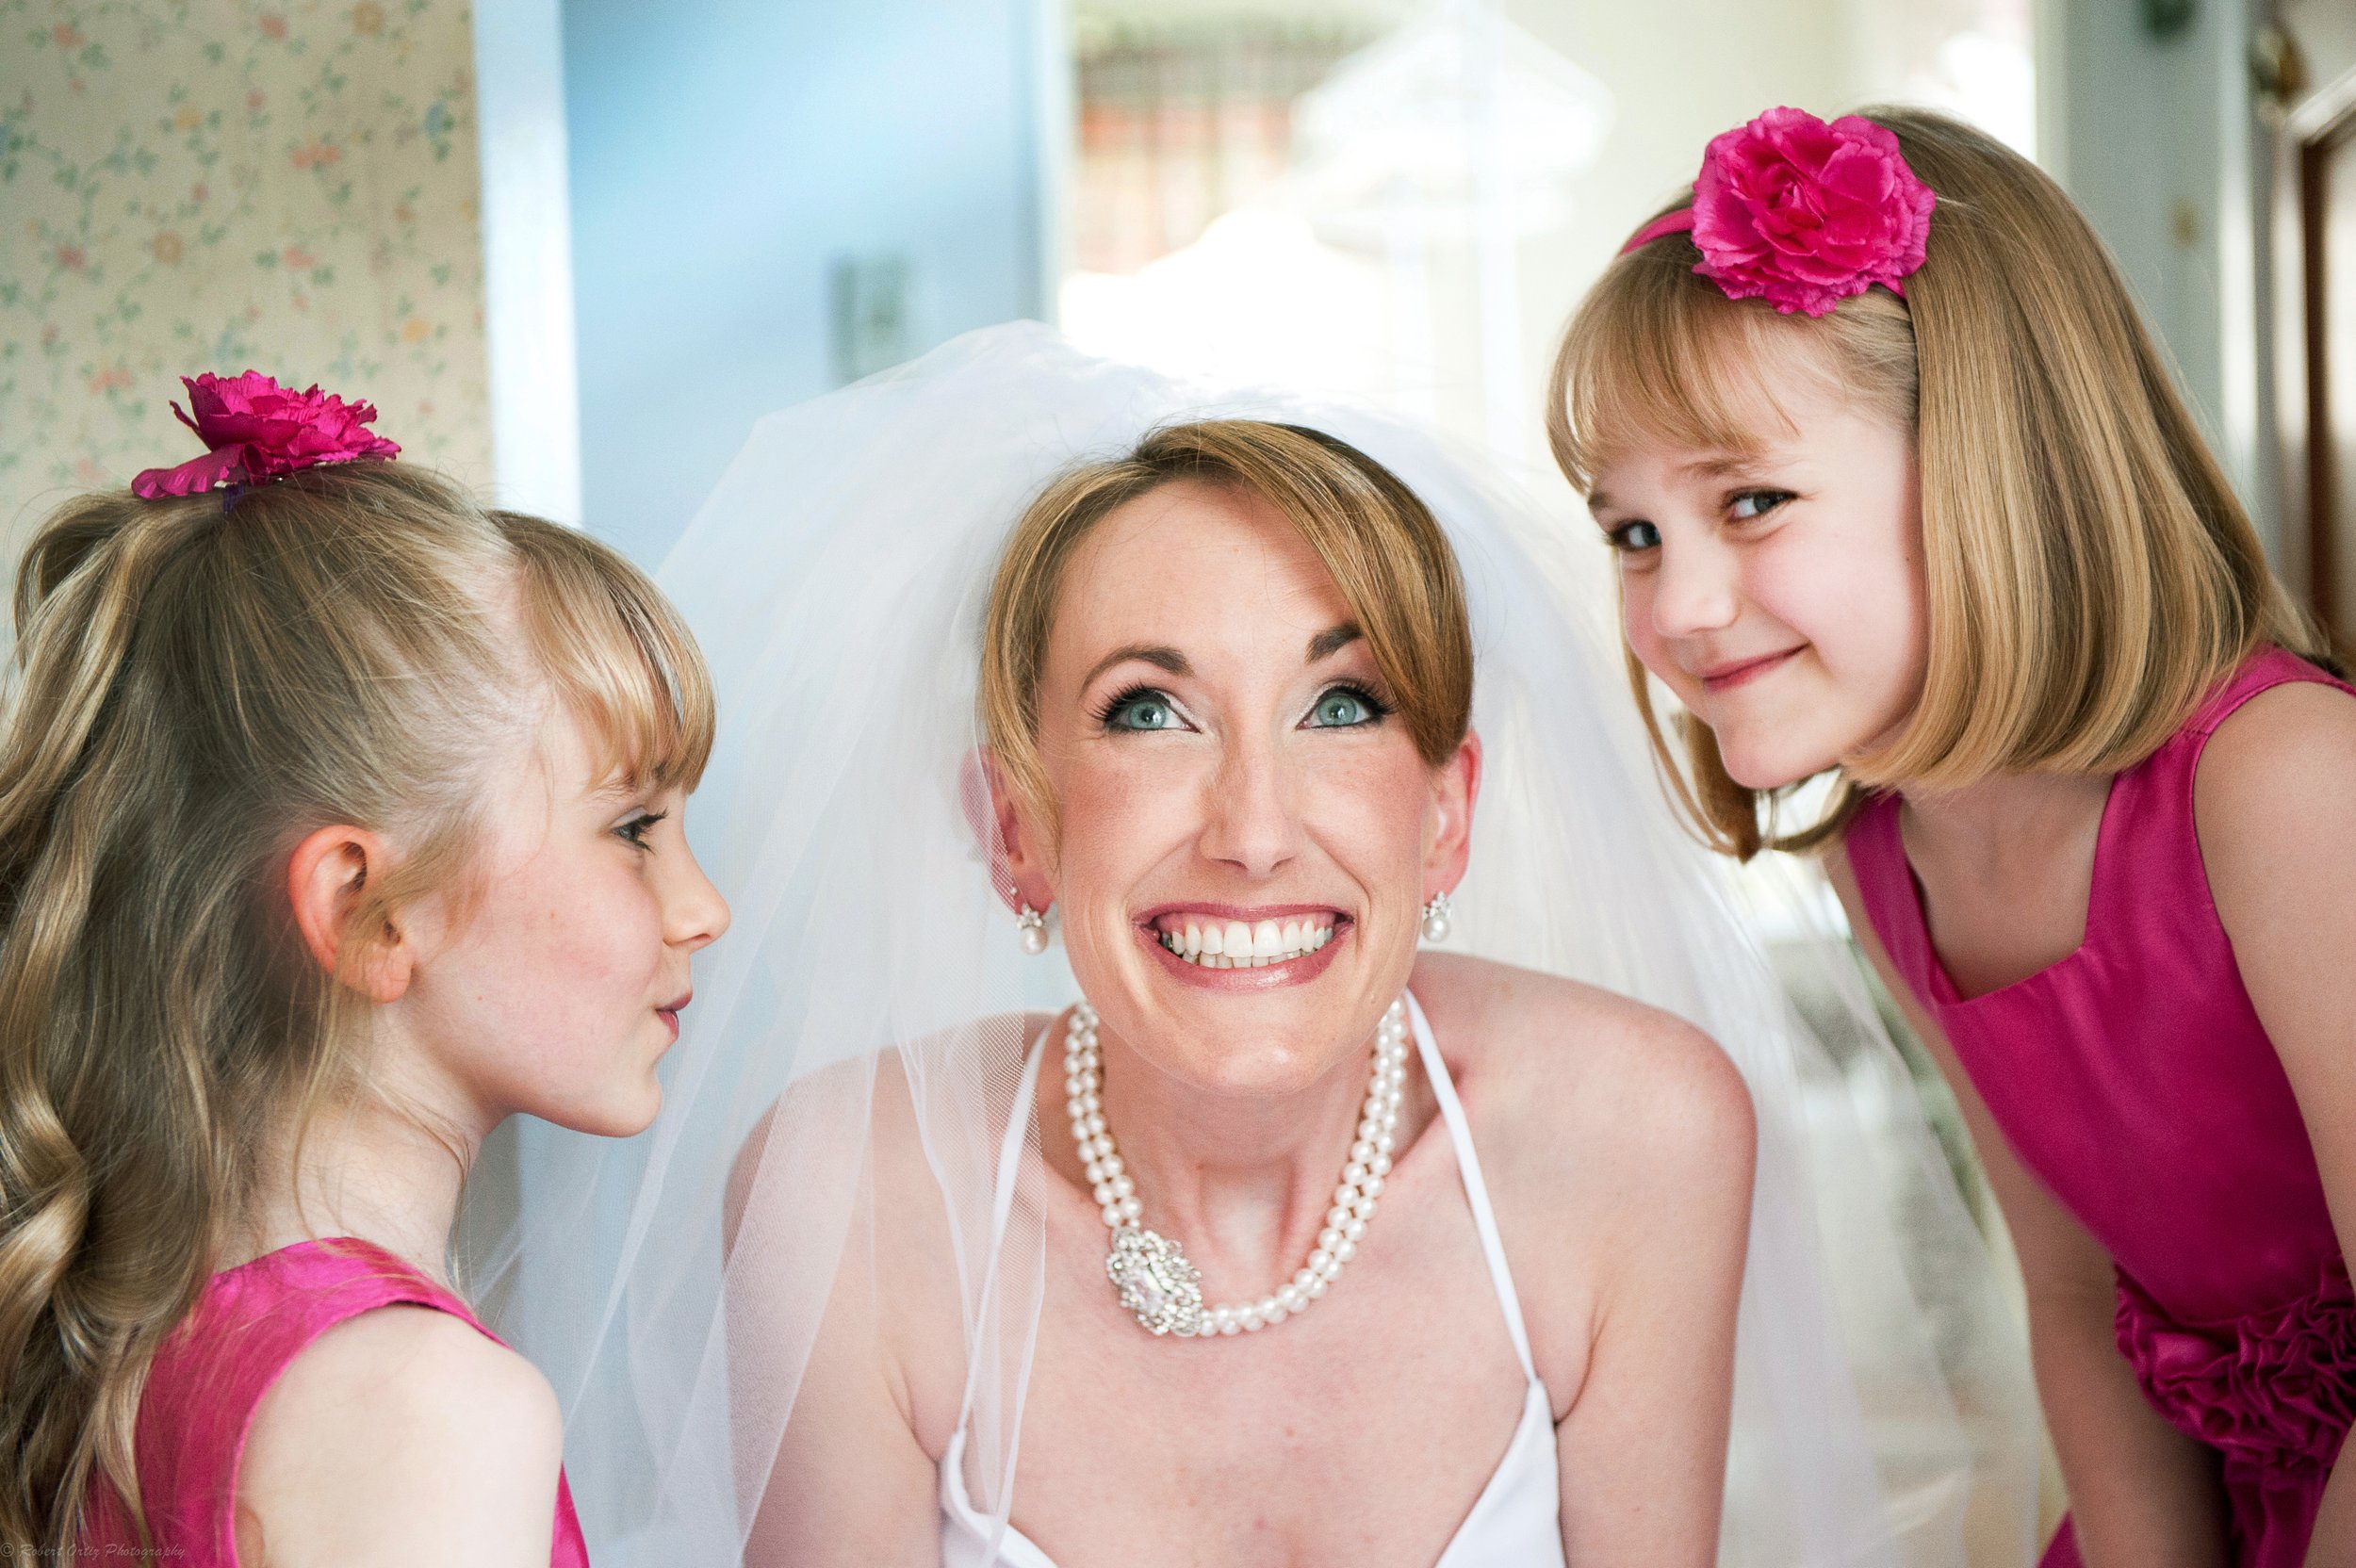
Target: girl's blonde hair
{"points": [[1393, 565], [2090, 574], [196, 687]]}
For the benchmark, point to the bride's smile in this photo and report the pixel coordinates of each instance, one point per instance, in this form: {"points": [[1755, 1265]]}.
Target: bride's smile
{"points": [[1222, 936]]}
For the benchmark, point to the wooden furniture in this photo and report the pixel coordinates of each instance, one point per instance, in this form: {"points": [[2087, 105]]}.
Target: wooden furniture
{"points": [[2315, 298]]}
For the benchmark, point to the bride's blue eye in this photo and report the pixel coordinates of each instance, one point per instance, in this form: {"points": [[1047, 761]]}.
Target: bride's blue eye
{"points": [[1636, 535], [1343, 708], [1140, 710]]}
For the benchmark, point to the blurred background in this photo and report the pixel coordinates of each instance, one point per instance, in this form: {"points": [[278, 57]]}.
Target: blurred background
{"points": [[574, 248]]}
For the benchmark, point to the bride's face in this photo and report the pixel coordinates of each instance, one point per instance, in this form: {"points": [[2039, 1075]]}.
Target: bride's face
{"points": [[1247, 831]]}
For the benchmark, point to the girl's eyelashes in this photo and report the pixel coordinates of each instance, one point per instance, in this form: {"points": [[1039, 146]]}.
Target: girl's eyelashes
{"points": [[1637, 536], [1634, 534], [1346, 706], [635, 831], [1748, 505], [1139, 709]]}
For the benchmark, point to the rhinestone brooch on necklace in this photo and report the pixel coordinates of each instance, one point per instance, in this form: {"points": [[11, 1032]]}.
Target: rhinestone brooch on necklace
{"points": [[1156, 1283]]}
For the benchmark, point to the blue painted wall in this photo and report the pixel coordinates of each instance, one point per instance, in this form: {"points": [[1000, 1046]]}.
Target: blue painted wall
{"points": [[2157, 139], [723, 154]]}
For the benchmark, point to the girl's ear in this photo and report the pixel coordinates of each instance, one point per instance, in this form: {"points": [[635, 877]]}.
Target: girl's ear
{"points": [[325, 877], [1455, 788], [993, 811]]}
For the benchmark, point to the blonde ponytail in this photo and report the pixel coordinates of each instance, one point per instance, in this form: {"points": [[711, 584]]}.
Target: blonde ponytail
{"points": [[196, 687]]}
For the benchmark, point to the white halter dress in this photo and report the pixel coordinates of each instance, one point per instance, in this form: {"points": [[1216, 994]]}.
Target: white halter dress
{"points": [[1516, 1521]]}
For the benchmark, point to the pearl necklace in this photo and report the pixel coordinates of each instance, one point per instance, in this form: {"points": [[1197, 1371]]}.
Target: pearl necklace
{"points": [[1155, 1281]]}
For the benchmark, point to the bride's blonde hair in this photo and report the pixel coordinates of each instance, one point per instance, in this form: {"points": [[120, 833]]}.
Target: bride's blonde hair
{"points": [[2090, 573], [1388, 556], [196, 687]]}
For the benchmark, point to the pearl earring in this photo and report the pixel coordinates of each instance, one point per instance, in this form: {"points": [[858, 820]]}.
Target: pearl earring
{"points": [[1436, 926], [1030, 928]]}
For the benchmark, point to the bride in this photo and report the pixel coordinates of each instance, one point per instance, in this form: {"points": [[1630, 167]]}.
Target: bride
{"points": [[1315, 1250], [1225, 688]]}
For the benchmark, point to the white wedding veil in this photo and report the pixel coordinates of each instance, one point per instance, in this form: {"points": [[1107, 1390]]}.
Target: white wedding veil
{"points": [[836, 579]]}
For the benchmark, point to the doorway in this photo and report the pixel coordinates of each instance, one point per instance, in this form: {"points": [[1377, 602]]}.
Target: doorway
{"points": [[2316, 286]]}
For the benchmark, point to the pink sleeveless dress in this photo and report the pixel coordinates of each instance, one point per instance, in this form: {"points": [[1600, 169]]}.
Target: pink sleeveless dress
{"points": [[2134, 1079], [249, 1323]]}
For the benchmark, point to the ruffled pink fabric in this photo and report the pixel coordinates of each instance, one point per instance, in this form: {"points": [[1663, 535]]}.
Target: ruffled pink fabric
{"points": [[254, 429], [2275, 1390], [1804, 214]]}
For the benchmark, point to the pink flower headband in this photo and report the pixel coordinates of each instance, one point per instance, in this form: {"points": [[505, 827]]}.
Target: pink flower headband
{"points": [[1803, 214], [254, 429]]}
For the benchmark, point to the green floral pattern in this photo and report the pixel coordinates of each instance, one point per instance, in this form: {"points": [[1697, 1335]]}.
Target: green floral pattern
{"points": [[218, 185]]}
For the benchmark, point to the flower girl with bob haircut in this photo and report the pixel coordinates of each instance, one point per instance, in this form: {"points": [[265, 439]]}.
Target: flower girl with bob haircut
{"points": [[339, 821], [1905, 499]]}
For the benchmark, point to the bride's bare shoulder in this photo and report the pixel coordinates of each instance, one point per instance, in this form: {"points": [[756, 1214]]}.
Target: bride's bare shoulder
{"points": [[870, 1114], [840, 1194], [1618, 1141], [1570, 1067]]}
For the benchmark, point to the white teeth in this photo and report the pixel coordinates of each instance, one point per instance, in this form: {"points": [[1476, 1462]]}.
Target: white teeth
{"points": [[1236, 945]]}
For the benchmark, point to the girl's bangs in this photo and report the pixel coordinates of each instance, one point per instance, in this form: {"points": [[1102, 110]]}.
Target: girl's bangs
{"points": [[645, 703], [1658, 354], [625, 665]]}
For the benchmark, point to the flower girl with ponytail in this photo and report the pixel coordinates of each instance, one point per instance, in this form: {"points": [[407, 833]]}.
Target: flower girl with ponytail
{"points": [[339, 821], [1904, 495]]}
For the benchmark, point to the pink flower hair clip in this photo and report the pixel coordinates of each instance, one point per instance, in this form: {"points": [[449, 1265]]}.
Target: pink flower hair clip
{"points": [[1803, 214], [255, 430]]}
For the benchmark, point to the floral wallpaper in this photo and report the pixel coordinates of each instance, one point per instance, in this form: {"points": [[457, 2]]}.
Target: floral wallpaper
{"points": [[288, 186]]}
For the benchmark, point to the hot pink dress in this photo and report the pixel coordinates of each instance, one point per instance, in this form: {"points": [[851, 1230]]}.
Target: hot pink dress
{"points": [[247, 1324], [2134, 1079]]}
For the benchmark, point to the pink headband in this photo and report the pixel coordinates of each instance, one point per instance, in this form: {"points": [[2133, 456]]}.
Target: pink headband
{"points": [[1803, 214], [254, 429]]}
